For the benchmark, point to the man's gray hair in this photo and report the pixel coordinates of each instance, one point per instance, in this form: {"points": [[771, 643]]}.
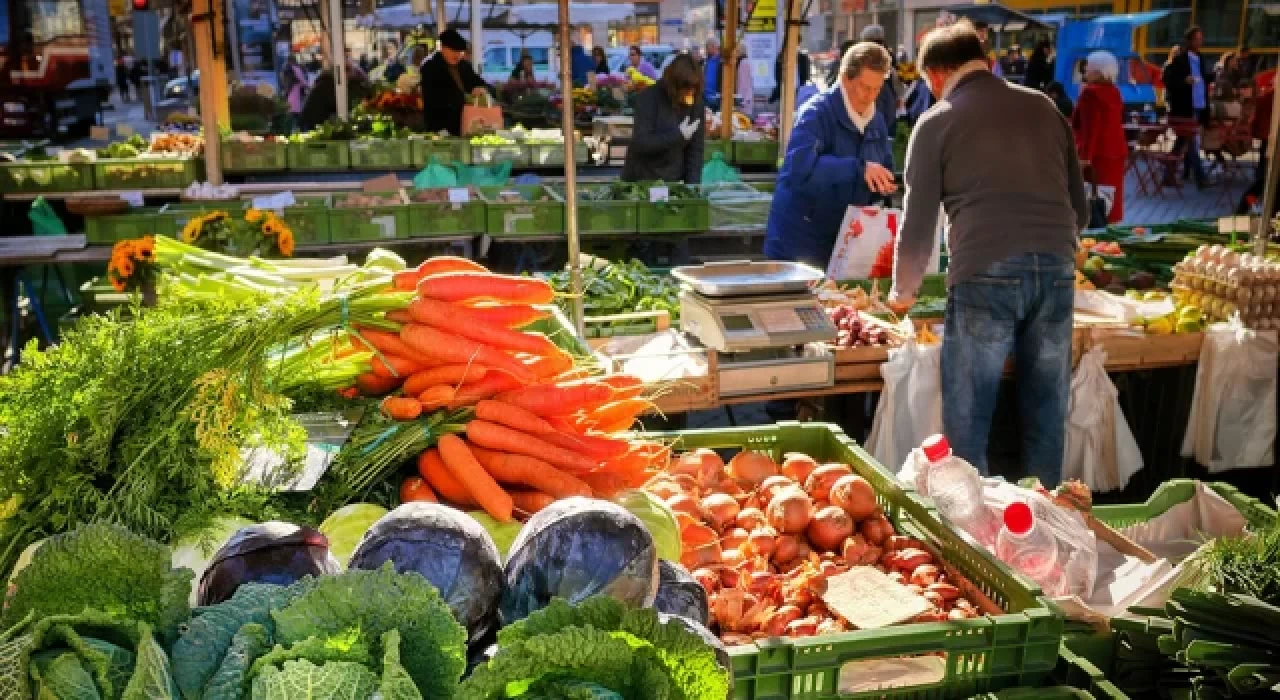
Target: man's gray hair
{"points": [[865, 54]]}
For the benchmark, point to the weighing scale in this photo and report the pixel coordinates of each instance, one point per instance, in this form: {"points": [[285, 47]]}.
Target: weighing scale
{"points": [[769, 329]]}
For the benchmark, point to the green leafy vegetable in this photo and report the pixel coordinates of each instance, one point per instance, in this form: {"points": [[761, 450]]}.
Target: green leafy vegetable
{"points": [[303, 680], [622, 287]]}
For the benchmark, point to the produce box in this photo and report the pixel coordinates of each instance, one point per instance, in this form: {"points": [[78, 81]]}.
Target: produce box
{"points": [[755, 152], [488, 154], [1075, 679], [380, 154], [544, 154], [144, 173], [146, 221], [446, 151], [319, 155], [522, 210], [368, 217], [952, 659], [254, 156], [1175, 491], [711, 147], [182, 212], [432, 214], [736, 205], [674, 216], [309, 220], [46, 176], [596, 214], [769, 186]]}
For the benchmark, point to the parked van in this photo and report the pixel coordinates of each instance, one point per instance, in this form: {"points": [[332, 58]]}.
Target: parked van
{"points": [[502, 51], [657, 54]]}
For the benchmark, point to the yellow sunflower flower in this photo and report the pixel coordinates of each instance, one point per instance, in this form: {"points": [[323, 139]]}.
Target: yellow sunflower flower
{"points": [[253, 216], [285, 243], [191, 232]]}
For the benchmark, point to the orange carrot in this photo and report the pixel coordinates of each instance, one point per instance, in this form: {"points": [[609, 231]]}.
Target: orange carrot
{"points": [[415, 488], [484, 286], [618, 415], [550, 365], [441, 264], [530, 502], [451, 349], [436, 397], [371, 384], [523, 470], [628, 464], [559, 399], [405, 280], [462, 464], [432, 468], [513, 417], [508, 315], [494, 383], [504, 439], [399, 316], [624, 386], [458, 320], [388, 344], [443, 374], [595, 446], [350, 392], [605, 484], [401, 408], [395, 366], [566, 424]]}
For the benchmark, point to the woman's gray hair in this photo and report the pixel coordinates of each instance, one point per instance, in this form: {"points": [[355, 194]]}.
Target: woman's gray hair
{"points": [[865, 54]]}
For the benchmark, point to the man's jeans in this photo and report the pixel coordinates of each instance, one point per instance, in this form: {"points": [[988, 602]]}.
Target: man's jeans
{"points": [[1021, 305]]}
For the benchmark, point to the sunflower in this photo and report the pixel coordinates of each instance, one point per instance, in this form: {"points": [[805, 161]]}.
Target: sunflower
{"points": [[191, 232], [147, 248], [125, 268], [216, 216], [118, 284], [124, 249], [271, 228], [285, 243], [253, 216]]}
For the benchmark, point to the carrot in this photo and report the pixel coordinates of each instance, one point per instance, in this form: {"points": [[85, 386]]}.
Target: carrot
{"points": [[523, 470], [385, 342], [494, 383], [508, 315], [462, 464], [530, 502], [350, 392], [432, 468], [441, 264], [443, 374], [596, 446], [415, 488], [436, 397], [459, 320], [618, 415], [451, 349], [478, 286], [504, 439], [513, 417], [399, 316], [627, 464], [624, 386], [553, 399], [605, 484], [405, 280], [550, 365], [395, 366], [401, 408], [371, 384]]}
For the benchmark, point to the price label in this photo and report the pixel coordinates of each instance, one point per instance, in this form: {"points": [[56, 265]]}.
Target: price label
{"points": [[658, 194], [275, 202], [134, 198], [459, 195], [124, 130], [99, 133]]}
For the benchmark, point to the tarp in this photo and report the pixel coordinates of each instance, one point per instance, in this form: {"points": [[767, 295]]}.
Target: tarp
{"points": [[997, 16], [547, 13], [1136, 19], [403, 17]]}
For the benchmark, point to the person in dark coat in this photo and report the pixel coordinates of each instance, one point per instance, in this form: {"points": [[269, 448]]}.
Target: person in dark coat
{"points": [[447, 80], [321, 103], [1186, 83], [803, 73], [601, 61], [839, 155], [1039, 68], [524, 70], [1058, 94], [667, 136]]}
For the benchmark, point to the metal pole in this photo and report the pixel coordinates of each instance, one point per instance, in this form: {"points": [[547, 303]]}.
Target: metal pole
{"points": [[791, 50], [477, 40], [1273, 173], [338, 52], [570, 167], [728, 68], [442, 20]]}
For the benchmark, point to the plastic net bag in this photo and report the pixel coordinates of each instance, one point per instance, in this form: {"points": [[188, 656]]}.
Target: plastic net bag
{"points": [[44, 220], [1101, 450], [716, 171], [436, 174], [494, 175]]}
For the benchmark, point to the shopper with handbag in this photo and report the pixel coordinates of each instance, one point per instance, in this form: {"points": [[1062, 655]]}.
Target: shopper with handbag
{"points": [[1098, 126], [447, 81]]}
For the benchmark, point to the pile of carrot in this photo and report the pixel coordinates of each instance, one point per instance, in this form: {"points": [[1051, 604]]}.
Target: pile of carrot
{"points": [[536, 427]]}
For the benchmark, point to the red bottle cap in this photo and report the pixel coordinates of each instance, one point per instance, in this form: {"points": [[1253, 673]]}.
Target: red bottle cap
{"points": [[1018, 518], [936, 448]]}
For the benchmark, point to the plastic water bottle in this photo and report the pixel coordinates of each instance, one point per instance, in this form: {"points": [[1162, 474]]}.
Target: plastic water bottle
{"points": [[956, 489], [1030, 548]]}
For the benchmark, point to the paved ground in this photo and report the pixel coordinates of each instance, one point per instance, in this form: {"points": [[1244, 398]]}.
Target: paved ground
{"points": [[1191, 203]]}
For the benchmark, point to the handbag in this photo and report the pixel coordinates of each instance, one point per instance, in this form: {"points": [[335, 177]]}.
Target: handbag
{"points": [[477, 118], [1099, 205]]}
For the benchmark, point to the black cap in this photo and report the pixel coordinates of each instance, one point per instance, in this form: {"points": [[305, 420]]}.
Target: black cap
{"points": [[451, 39]]}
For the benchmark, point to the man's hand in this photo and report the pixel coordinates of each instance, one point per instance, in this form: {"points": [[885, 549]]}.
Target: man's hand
{"points": [[879, 179], [901, 305]]}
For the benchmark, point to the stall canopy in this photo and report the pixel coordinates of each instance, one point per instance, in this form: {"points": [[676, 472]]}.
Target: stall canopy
{"points": [[997, 16], [546, 13], [536, 14], [403, 17]]}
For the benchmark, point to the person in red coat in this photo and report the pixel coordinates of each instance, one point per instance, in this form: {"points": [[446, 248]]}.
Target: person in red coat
{"points": [[1098, 123]]}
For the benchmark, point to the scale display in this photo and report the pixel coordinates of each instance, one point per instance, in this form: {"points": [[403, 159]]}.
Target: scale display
{"points": [[757, 322]]}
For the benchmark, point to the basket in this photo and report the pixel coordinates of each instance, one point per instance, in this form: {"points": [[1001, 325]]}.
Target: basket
{"points": [[1175, 491], [755, 152], [381, 154], [543, 217], [319, 155], [513, 153], [675, 216], [147, 221], [254, 156], [377, 223], [96, 206], [1019, 647], [604, 216], [445, 150], [552, 154], [428, 219], [145, 173], [46, 176], [308, 218]]}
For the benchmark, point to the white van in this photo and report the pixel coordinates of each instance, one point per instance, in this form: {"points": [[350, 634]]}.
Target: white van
{"points": [[502, 51], [659, 55]]}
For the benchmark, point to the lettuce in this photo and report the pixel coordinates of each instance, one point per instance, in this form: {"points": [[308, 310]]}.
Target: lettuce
{"points": [[600, 649]]}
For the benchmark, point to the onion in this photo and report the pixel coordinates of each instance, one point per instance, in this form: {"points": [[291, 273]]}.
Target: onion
{"points": [[704, 465], [798, 466], [790, 511], [684, 503], [876, 530], [695, 535], [771, 486], [763, 541], [734, 538], [720, 509], [664, 488], [751, 467], [751, 518], [855, 495], [829, 528], [819, 483], [786, 548], [698, 557]]}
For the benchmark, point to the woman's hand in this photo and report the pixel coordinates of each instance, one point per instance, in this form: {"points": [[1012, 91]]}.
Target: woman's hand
{"points": [[879, 179]]}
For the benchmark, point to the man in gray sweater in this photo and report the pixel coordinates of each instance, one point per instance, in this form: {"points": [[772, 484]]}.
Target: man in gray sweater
{"points": [[1001, 160]]}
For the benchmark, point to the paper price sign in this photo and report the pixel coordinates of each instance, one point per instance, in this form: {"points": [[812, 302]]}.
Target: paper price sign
{"points": [[658, 194]]}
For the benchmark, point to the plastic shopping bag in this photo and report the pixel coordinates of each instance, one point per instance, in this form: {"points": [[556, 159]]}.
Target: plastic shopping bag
{"points": [[910, 407], [1233, 411], [864, 244], [1101, 450], [435, 175], [495, 175], [716, 171], [44, 220]]}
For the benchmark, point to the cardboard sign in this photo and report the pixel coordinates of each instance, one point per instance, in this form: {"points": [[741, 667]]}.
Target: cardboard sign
{"points": [[459, 195], [869, 599], [658, 194], [124, 131], [99, 133], [382, 183]]}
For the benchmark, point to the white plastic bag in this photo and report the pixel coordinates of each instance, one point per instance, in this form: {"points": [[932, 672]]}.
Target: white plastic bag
{"points": [[1101, 450], [863, 233], [1233, 411], [910, 407]]}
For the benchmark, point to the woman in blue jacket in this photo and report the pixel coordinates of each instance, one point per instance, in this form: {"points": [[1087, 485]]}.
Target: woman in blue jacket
{"points": [[839, 155]]}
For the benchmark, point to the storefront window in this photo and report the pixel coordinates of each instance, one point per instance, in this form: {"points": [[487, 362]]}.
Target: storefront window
{"points": [[1221, 22], [1168, 31], [1262, 27], [1095, 9]]}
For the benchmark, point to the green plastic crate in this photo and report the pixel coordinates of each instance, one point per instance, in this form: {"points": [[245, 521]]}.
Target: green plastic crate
{"points": [[182, 212], [675, 216], [755, 152], [1175, 491], [380, 154], [319, 155], [145, 173], [46, 176], [427, 219], [384, 222], [514, 153], [549, 154], [254, 156], [769, 186], [533, 217], [308, 218], [1075, 678], [1019, 647], [446, 151], [711, 147], [604, 216], [146, 221]]}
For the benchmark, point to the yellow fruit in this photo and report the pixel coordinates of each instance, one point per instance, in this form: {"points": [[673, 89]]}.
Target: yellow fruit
{"points": [[1190, 326], [1160, 326], [1153, 296], [1190, 313]]}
